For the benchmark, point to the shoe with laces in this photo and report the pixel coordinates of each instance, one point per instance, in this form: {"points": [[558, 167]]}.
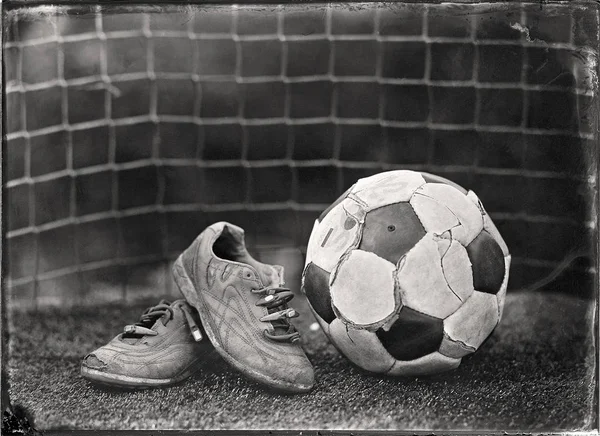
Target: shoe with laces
{"points": [[164, 347], [243, 308]]}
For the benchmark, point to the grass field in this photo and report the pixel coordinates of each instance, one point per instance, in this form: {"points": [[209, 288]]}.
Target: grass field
{"points": [[536, 372]]}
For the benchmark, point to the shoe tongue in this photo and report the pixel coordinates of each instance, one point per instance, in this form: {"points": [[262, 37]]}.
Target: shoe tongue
{"points": [[269, 275], [134, 339], [230, 245]]}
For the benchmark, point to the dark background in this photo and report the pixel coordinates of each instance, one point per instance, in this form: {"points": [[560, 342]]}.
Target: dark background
{"points": [[129, 131]]}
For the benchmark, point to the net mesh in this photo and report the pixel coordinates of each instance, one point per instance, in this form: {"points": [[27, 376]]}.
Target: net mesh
{"points": [[128, 131]]}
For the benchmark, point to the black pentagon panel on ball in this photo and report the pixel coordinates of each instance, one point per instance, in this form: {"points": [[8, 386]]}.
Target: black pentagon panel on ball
{"points": [[432, 178], [316, 288], [390, 231], [413, 335], [487, 262], [335, 203]]}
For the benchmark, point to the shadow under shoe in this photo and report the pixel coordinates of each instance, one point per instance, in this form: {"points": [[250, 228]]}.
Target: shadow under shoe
{"points": [[164, 347], [243, 308]]}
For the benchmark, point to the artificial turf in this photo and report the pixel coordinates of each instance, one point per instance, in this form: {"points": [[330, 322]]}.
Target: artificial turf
{"points": [[536, 372]]}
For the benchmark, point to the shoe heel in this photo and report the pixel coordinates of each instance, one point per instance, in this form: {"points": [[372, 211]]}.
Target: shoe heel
{"points": [[191, 294], [183, 281]]}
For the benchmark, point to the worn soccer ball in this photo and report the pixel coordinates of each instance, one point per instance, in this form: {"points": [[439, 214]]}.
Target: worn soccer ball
{"points": [[406, 273]]}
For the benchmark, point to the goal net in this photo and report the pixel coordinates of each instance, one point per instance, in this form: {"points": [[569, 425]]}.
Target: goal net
{"points": [[129, 130]]}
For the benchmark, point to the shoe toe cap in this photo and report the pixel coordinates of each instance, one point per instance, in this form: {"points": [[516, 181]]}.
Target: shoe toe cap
{"points": [[104, 361], [302, 375], [92, 361], [295, 375]]}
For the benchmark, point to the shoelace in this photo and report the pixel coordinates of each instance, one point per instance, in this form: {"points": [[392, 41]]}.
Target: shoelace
{"points": [[274, 299], [154, 313]]}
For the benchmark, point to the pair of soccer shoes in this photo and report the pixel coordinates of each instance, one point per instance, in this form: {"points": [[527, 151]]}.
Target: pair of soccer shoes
{"points": [[233, 304]]}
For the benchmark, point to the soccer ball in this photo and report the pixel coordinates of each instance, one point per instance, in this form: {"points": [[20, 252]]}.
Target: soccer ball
{"points": [[406, 273]]}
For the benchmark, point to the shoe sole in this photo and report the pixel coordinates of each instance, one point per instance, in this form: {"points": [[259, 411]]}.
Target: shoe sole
{"points": [[124, 381], [194, 297]]}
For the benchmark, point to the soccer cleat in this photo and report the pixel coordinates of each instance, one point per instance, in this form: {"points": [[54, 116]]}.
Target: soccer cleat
{"points": [[164, 347], [244, 308]]}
